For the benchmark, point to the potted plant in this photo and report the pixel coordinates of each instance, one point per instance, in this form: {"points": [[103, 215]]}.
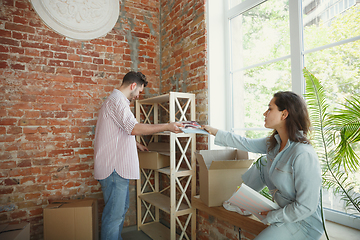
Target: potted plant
{"points": [[336, 136]]}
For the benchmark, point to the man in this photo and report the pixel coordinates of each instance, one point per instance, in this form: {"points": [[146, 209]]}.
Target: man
{"points": [[115, 151]]}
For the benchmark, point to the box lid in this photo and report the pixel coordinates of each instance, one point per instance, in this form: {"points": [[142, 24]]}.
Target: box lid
{"points": [[223, 159], [71, 203]]}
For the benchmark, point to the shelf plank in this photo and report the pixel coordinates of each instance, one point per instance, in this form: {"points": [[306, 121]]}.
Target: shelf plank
{"points": [[161, 201], [157, 99], [182, 171], [157, 231]]}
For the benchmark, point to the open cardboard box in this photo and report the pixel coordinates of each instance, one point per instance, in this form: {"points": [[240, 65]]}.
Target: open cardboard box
{"points": [[71, 220], [157, 157], [220, 174], [18, 231]]}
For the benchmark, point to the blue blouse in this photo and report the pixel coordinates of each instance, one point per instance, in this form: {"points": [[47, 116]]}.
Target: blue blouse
{"points": [[293, 177]]}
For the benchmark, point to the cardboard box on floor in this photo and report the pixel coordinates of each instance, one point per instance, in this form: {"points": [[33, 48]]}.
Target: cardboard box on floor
{"points": [[19, 231], [71, 220], [220, 174], [157, 157]]}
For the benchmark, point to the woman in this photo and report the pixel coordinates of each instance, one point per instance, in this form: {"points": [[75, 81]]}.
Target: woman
{"points": [[291, 169]]}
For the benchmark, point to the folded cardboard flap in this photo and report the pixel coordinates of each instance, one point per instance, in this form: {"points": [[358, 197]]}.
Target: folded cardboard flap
{"points": [[162, 148], [19, 231], [210, 156], [220, 174]]}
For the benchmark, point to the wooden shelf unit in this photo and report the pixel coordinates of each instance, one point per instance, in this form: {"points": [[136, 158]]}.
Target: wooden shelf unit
{"points": [[174, 199]]}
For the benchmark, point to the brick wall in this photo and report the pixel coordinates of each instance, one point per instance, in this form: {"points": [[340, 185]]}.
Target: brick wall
{"points": [[210, 227], [183, 53], [51, 89]]}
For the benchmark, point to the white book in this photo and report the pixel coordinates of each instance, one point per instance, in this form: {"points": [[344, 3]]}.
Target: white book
{"points": [[252, 201], [192, 127]]}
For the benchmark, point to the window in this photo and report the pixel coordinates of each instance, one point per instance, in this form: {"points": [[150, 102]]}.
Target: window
{"points": [[267, 44]]}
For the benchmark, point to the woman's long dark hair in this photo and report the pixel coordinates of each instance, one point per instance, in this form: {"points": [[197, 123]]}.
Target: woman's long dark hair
{"points": [[297, 119]]}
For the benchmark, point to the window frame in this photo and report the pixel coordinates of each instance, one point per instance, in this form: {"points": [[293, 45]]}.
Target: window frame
{"points": [[220, 106]]}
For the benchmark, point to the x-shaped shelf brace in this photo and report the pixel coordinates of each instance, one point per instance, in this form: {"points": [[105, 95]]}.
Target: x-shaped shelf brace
{"points": [[168, 187], [147, 114], [144, 142], [183, 228], [148, 211], [183, 192], [183, 154], [147, 181], [182, 109]]}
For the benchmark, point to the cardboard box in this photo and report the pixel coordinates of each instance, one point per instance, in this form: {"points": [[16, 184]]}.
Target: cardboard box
{"points": [[71, 220], [19, 231], [220, 174], [157, 157]]}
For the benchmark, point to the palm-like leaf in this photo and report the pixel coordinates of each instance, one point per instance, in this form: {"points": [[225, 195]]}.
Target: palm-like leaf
{"points": [[338, 159], [347, 123]]}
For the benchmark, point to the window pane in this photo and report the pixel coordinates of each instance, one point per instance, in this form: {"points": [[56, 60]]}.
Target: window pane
{"points": [[327, 22], [252, 92], [338, 70], [260, 34]]}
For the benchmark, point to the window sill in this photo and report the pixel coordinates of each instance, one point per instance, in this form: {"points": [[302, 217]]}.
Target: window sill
{"points": [[253, 225], [248, 223], [339, 232]]}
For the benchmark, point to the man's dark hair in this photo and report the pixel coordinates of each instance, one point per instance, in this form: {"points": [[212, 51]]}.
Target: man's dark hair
{"points": [[134, 77]]}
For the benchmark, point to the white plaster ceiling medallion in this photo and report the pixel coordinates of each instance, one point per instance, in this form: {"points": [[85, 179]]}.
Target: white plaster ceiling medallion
{"points": [[79, 19]]}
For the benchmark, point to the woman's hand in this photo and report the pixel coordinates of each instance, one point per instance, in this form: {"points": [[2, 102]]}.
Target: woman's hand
{"points": [[210, 129], [264, 213]]}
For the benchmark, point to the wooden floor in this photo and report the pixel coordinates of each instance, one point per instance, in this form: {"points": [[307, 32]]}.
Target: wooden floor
{"points": [[131, 233]]}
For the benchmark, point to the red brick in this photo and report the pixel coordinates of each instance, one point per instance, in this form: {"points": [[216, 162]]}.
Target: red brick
{"points": [[87, 80], [17, 50], [19, 27], [63, 152], [18, 214], [17, 66], [60, 55], [73, 57], [61, 63], [47, 54], [5, 33], [8, 41], [3, 64], [36, 212], [12, 181], [8, 121], [6, 190], [8, 3], [54, 186], [23, 5], [43, 179]]}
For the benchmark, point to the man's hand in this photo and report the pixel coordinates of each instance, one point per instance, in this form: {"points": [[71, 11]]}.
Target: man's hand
{"points": [[175, 127], [210, 129], [141, 147]]}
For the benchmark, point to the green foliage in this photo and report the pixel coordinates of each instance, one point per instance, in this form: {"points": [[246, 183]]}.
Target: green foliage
{"points": [[336, 136]]}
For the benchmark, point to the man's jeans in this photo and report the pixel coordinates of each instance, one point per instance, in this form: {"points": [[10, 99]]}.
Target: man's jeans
{"points": [[116, 197]]}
